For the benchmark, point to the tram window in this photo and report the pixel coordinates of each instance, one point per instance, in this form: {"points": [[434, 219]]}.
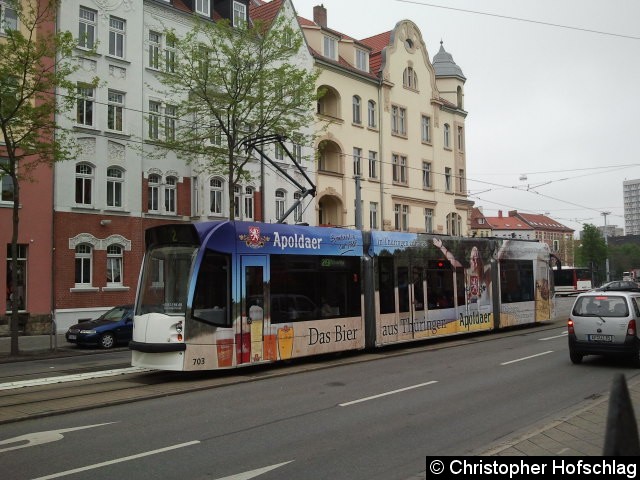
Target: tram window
{"points": [[310, 288], [385, 285], [211, 298], [440, 292], [403, 289], [516, 281]]}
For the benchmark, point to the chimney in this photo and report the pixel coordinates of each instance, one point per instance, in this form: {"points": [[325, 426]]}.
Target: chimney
{"points": [[499, 213], [320, 15]]}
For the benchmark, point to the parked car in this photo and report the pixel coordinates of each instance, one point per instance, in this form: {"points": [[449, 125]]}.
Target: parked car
{"points": [[108, 330], [619, 286], [605, 323]]}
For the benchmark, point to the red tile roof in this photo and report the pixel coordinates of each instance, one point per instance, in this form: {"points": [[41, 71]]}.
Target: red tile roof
{"points": [[266, 11]]}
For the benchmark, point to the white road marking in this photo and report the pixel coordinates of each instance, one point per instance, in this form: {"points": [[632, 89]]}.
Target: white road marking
{"points": [[71, 378], [563, 334], [118, 460], [38, 438], [346, 404], [254, 473], [527, 358]]}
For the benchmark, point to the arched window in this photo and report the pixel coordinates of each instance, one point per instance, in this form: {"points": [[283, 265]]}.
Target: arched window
{"points": [[114, 265], [447, 136], [371, 114], [357, 113], [410, 79], [281, 202], [454, 224], [84, 184], [83, 265], [170, 195], [459, 91], [216, 188], [115, 180], [154, 193]]}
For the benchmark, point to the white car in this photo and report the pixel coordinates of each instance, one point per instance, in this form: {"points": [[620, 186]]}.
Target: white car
{"points": [[605, 323]]}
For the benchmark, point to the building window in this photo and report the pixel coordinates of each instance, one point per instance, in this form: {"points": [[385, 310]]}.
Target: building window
{"points": [[84, 106], [281, 202], [115, 180], [447, 179], [154, 193], [279, 151], [170, 195], [8, 191], [371, 114], [87, 28], [115, 111], [460, 139], [399, 168], [329, 47], [426, 175], [116, 37], [297, 152], [297, 213], [454, 224], [401, 216], [373, 215], [362, 60], [202, 7], [154, 49], [398, 120], [239, 14], [410, 79], [83, 260], [373, 164], [556, 245], [19, 290], [428, 220], [8, 18], [114, 265], [154, 120], [170, 55], [170, 122], [357, 117], [195, 196], [215, 196], [461, 181], [447, 135], [426, 129], [357, 161], [248, 203], [84, 184]]}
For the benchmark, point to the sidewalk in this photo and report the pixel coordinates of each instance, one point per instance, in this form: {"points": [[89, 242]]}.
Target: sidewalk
{"points": [[581, 431]]}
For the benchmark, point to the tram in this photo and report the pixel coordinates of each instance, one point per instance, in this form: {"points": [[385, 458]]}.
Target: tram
{"points": [[216, 295]]}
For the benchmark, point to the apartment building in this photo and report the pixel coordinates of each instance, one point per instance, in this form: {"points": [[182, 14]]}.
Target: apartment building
{"points": [[395, 131]]}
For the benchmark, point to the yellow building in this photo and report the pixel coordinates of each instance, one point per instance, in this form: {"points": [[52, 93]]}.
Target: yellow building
{"points": [[395, 126]]}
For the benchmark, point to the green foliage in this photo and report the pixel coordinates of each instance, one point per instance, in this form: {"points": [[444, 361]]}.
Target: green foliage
{"points": [[232, 84], [623, 258], [593, 251]]}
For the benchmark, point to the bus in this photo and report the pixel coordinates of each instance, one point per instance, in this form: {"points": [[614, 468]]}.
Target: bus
{"points": [[571, 280], [224, 294]]}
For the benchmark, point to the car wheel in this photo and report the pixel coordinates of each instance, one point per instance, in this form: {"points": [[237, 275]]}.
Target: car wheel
{"points": [[635, 358], [575, 357], [107, 341]]}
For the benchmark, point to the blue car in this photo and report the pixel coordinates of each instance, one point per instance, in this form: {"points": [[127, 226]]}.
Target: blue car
{"points": [[110, 329]]}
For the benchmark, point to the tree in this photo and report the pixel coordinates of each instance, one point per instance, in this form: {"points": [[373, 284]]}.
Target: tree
{"points": [[593, 251], [229, 85], [34, 62]]}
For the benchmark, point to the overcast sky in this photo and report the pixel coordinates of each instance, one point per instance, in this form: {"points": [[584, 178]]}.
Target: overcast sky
{"points": [[552, 93]]}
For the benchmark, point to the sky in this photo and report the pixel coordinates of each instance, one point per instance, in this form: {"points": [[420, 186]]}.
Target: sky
{"points": [[552, 95]]}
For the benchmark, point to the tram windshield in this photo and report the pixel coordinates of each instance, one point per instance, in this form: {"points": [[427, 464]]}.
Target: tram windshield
{"points": [[165, 280]]}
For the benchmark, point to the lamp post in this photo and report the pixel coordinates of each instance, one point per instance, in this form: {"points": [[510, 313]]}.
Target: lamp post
{"points": [[604, 214]]}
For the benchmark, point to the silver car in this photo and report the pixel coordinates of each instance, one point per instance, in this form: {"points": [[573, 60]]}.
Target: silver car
{"points": [[605, 323]]}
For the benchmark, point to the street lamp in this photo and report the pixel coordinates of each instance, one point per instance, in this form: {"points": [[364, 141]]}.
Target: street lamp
{"points": [[604, 214]]}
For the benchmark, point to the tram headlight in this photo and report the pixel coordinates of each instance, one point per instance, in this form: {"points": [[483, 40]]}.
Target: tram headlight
{"points": [[179, 327]]}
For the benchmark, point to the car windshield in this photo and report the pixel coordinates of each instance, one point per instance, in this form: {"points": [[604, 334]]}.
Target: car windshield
{"points": [[601, 306], [115, 314]]}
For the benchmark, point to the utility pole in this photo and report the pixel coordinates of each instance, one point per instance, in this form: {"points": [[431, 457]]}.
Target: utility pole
{"points": [[604, 214]]}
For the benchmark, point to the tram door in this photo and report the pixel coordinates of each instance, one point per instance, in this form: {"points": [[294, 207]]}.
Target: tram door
{"points": [[411, 305], [250, 338]]}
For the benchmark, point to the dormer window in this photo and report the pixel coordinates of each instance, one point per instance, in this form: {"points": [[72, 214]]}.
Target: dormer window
{"points": [[202, 7], [239, 14], [330, 47], [362, 60], [410, 78]]}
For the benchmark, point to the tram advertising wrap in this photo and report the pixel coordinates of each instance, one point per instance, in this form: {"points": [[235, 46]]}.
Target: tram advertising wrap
{"points": [[226, 294]]}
